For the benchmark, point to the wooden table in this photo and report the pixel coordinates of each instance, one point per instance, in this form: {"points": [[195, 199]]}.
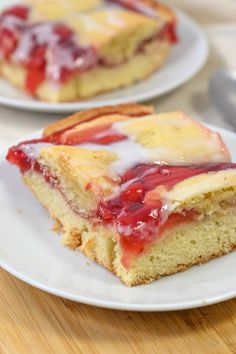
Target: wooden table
{"points": [[32, 321]]}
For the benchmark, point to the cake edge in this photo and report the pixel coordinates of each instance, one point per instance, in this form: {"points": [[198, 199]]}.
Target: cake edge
{"points": [[75, 241]]}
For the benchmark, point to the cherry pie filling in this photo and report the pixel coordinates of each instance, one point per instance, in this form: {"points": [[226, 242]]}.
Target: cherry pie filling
{"points": [[138, 218], [50, 50]]}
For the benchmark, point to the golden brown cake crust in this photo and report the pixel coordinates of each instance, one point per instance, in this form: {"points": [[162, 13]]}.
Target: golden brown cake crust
{"points": [[183, 267], [130, 109], [161, 10], [59, 9]]}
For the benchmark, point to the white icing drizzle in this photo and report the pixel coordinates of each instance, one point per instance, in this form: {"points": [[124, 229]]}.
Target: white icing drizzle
{"points": [[58, 56], [33, 150], [10, 21], [43, 33], [130, 153]]}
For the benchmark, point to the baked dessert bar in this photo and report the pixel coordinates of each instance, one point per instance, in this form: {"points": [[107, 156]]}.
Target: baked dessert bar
{"points": [[60, 50], [141, 193]]}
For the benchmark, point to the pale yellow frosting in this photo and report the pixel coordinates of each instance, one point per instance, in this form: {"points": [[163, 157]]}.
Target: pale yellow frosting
{"points": [[60, 9]]}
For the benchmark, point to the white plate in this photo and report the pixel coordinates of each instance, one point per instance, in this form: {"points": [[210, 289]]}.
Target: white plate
{"points": [[186, 59], [33, 253]]}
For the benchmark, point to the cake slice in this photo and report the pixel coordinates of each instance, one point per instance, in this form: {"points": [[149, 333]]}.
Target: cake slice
{"points": [[141, 193], [68, 50]]}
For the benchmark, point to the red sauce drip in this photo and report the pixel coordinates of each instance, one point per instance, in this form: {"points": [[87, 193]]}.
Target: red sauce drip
{"points": [[19, 11], [12, 22], [169, 32], [100, 134], [140, 220], [56, 136], [36, 68], [18, 157], [9, 41]]}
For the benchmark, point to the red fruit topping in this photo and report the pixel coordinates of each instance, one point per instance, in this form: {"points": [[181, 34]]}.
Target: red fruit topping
{"points": [[63, 32], [133, 194], [105, 212], [175, 219], [18, 157], [11, 29], [100, 134], [9, 40], [140, 220], [19, 11], [34, 79], [169, 32], [36, 69]]}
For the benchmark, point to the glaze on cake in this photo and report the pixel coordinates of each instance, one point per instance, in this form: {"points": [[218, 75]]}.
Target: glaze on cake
{"points": [[63, 51]]}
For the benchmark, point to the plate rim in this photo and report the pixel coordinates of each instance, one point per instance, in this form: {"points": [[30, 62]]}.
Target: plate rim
{"points": [[112, 305], [40, 106], [115, 305]]}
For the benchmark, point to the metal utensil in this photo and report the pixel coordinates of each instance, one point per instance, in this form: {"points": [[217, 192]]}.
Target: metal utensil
{"points": [[222, 90]]}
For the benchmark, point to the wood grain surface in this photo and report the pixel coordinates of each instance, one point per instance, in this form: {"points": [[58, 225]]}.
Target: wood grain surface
{"points": [[32, 321]]}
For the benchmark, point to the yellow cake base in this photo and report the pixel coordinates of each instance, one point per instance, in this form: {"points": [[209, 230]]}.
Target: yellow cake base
{"points": [[180, 248], [98, 80]]}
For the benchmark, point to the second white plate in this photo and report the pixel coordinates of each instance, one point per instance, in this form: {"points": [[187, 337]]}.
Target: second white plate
{"points": [[186, 59]]}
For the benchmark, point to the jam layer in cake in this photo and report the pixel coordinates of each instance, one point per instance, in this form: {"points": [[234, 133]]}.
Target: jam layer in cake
{"points": [[143, 194], [63, 51]]}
